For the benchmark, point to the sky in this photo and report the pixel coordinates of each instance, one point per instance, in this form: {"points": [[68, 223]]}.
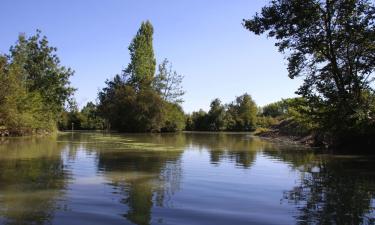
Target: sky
{"points": [[204, 40]]}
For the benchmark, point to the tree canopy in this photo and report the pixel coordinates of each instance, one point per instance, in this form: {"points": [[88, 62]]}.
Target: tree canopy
{"points": [[34, 87], [139, 101], [239, 115], [331, 44], [168, 83], [141, 69]]}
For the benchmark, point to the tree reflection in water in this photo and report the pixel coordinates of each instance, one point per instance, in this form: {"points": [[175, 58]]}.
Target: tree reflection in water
{"points": [[32, 178], [145, 171], [148, 174], [238, 148], [334, 190], [146, 177]]}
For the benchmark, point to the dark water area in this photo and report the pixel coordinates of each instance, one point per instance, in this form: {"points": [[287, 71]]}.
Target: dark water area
{"points": [[187, 178]]}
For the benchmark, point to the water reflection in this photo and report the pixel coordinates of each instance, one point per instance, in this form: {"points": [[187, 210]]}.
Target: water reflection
{"points": [[32, 179], [146, 170], [187, 178], [238, 148], [146, 177], [335, 191], [142, 179]]}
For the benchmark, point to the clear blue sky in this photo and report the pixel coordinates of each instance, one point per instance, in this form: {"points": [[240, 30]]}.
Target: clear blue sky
{"points": [[203, 39]]}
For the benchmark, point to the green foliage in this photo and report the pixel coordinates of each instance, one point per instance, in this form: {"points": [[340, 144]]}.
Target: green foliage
{"points": [[71, 118], [275, 109], [33, 86], [240, 115], [141, 68], [288, 116], [21, 111], [285, 108], [216, 116], [138, 101], [197, 121], [91, 119], [168, 83], [42, 71], [149, 114], [129, 110], [331, 44], [266, 121], [174, 118], [247, 111], [86, 119]]}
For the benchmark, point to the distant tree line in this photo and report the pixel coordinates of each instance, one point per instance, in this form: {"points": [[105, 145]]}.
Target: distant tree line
{"points": [[87, 118], [240, 115]]}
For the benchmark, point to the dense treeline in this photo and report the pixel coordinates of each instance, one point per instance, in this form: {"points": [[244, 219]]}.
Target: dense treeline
{"points": [[287, 117], [331, 44], [240, 115], [34, 87], [87, 118], [244, 115]]}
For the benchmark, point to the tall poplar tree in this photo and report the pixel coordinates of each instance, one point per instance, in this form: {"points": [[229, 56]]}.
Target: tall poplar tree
{"points": [[141, 68]]}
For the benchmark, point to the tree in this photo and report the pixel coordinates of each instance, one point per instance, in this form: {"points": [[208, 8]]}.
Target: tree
{"points": [[34, 87], [128, 102], [33, 92], [174, 118], [42, 71], [90, 117], [141, 68], [275, 109], [199, 121], [149, 111], [71, 118], [331, 44], [216, 116], [246, 111], [137, 101], [4, 87], [168, 83], [240, 115], [129, 110]]}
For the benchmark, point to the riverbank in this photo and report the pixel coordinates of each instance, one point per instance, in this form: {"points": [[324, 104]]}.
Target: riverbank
{"points": [[23, 132], [288, 131], [276, 136]]}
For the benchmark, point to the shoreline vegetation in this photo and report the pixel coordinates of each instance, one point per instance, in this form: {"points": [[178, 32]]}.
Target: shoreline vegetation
{"points": [[331, 45]]}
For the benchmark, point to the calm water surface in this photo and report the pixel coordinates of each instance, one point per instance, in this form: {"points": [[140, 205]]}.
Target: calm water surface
{"points": [[188, 178]]}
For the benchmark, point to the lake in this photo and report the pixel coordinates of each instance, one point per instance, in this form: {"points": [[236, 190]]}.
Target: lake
{"points": [[186, 178]]}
